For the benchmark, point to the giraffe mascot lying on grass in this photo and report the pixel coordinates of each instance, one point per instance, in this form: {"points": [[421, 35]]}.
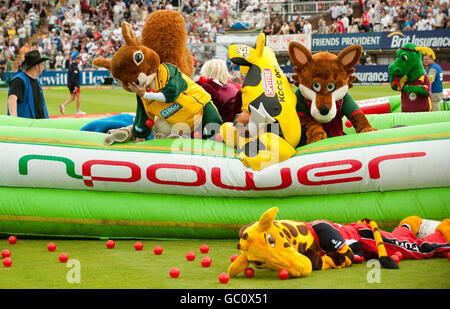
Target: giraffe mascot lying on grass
{"points": [[268, 129], [301, 247]]}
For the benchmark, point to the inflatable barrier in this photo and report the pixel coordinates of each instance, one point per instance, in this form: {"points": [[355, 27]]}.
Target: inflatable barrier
{"points": [[58, 181], [392, 104]]}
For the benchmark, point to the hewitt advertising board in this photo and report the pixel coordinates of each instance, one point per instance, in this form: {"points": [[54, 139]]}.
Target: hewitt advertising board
{"points": [[59, 78]]}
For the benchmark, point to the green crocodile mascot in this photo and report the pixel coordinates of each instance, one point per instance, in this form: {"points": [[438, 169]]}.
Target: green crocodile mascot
{"points": [[408, 76]]}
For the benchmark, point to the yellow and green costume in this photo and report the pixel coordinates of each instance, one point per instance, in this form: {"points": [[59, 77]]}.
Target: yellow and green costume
{"points": [[185, 100]]}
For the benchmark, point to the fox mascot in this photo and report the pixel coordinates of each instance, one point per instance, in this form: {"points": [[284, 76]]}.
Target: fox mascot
{"points": [[323, 80]]}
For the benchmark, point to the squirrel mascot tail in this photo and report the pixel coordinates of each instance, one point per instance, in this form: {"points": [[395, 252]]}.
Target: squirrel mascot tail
{"points": [[385, 260]]}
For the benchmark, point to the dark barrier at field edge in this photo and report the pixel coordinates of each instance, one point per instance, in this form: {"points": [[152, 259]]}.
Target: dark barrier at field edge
{"points": [[365, 74]]}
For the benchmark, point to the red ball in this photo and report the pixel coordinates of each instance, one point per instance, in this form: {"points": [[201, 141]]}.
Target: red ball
{"points": [[448, 256], [204, 248], [63, 257], [219, 137], [150, 123], [12, 240], [399, 254], [174, 272], [224, 278], [202, 79], [51, 247], [233, 257], [6, 253], [190, 256], [7, 262], [249, 272], [197, 135], [158, 250], [283, 274], [206, 261], [110, 244], [138, 246], [395, 258]]}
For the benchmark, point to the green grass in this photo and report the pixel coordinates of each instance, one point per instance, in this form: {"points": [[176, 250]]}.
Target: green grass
{"points": [[123, 267]]}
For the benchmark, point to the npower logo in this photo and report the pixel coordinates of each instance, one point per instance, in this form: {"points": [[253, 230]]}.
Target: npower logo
{"points": [[316, 174]]}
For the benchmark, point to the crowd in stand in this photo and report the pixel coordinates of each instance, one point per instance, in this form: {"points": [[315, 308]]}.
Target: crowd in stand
{"points": [[91, 28], [377, 16]]}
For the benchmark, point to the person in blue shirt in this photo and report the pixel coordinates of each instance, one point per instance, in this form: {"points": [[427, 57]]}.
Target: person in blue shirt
{"points": [[435, 74], [25, 95]]}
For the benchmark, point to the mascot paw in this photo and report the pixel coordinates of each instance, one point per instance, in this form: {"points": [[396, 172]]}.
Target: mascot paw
{"points": [[316, 136], [408, 89], [388, 262], [368, 130], [138, 139]]}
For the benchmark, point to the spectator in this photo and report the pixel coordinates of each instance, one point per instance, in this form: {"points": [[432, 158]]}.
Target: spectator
{"points": [[435, 73], [369, 61], [365, 25], [342, 8], [284, 28], [345, 22], [322, 27], [51, 63], [21, 33], [349, 13], [118, 12], [292, 29], [299, 25], [429, 22], [9, 63], [375, 16], [276, 28], [409, 23], [421, 25], [20, 102], [441, 19], [224, 95], [334, 11], [307, 28], [268, 30], [385, 21], [2, 67], [59, 60], [401, 17], [339, 25]]}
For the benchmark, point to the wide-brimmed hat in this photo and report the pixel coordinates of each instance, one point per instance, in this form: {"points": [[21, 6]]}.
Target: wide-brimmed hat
{"points": [[32, 58]]}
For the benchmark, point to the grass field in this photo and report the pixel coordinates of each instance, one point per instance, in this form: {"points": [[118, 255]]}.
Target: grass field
{"points": [[123, 267]]}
